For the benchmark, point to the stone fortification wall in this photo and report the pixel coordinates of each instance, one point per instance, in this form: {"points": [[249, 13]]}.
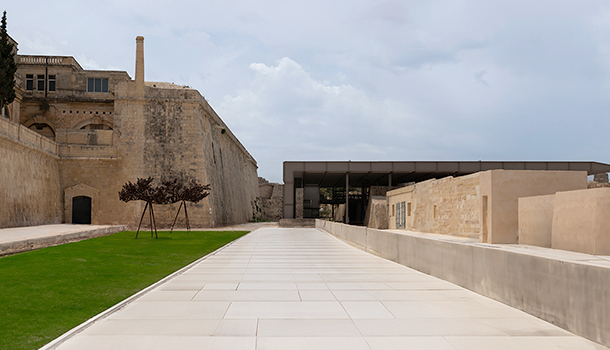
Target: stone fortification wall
{"points": [[171, 133], [269, 206], [29, 178], [449, 206]]}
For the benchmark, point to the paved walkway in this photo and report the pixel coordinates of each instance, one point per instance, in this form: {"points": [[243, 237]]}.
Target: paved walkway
{"points": [[304, 289], [19, 239]]}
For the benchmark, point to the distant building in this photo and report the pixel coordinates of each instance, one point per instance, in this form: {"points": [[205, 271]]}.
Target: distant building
{"points": [[102, 129]]}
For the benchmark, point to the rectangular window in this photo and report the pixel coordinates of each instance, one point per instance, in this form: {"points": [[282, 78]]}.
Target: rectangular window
{"points": [[97, 85], [40, 86], [408, 209], [51, 82], [29, 82], [397, 215], [403, 217]]}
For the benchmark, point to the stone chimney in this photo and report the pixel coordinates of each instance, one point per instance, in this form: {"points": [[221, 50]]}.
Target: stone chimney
{"points": [[140, 62]]}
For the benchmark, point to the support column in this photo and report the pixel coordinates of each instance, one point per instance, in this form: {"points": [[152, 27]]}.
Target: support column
{"points": [[389, 181], [347, 198]]}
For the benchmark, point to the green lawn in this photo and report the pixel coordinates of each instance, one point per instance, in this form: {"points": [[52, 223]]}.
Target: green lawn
{"points": [[46, 292]]}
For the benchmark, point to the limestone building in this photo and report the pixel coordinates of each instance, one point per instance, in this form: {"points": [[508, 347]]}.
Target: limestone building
{"points": [[73, 137]]}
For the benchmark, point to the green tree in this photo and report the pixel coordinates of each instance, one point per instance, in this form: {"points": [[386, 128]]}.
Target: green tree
{"points": [[8, 67]]}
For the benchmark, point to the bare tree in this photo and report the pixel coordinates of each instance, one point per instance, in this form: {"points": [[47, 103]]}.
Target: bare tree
{"points": [[142, 190], [169, 192], [193, 192]]}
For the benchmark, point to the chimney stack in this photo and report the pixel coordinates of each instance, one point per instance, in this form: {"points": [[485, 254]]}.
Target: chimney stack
{"points": [[140, 61]]}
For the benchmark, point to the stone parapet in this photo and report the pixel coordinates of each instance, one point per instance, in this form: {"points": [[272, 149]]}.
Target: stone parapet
{"points": [[13, 132]]}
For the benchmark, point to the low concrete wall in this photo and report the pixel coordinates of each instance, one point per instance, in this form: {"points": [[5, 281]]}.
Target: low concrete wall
{"points": [[43, 242], [563, 288], [536, 220]]}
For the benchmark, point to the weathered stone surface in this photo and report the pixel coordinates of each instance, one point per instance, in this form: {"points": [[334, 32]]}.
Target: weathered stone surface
{"points": [[269, 205], [297, 222], [448, 206], [30, 191], [377, 213], [600, 178], [106, 138]]}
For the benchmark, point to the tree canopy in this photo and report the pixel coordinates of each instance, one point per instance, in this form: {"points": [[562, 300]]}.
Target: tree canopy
{"points": [[8, 67]]}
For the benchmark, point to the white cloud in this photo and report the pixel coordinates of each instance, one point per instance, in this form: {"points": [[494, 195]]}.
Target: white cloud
{"points": [[284, 114], [375, 79]]}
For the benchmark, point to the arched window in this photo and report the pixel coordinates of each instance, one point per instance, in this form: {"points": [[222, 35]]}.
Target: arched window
{"points": [[43, 129], [96, 127]]}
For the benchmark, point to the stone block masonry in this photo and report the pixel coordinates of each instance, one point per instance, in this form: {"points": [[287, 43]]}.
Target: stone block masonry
{"points": [[30, 193], [94, 138], [168, 132]]}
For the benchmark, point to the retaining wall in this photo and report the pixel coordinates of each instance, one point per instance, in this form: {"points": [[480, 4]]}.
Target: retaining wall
{"points": [[29, 177], [567, 289]]}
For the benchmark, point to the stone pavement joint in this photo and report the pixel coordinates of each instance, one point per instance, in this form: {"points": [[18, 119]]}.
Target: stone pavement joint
{"points": [[279, 288]]}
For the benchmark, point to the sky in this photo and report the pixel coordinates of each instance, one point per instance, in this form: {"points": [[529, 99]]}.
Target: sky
{"points": [[366, 80]]}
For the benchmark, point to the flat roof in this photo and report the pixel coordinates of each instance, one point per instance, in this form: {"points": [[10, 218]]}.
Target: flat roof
{"points": [[332, 174]]}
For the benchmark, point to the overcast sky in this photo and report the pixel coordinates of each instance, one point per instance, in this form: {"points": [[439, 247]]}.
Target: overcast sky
{"points": [[361, 79]]}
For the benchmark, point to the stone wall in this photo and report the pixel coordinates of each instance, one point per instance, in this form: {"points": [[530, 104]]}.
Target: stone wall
{"points": [[269, 205], [377, 212], [29, 178], [94, 178], [168, 132], [449, 206], [134, 130]]}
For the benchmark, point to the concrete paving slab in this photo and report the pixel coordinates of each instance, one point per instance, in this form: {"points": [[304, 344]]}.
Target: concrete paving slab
{"points": [[325, 294]]}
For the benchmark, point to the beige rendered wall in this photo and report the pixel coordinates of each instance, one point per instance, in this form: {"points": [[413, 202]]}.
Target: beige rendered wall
{"points": [[581, 221], [536, 220], [29, 178], [501, 189], [395, 197], [448, 206]]}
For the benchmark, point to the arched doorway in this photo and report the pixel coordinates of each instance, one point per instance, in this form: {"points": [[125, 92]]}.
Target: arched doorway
{"points": [[81, 210]]}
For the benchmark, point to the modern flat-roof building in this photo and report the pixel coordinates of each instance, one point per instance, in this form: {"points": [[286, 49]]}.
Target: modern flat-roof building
{"points": [[303, 180]]}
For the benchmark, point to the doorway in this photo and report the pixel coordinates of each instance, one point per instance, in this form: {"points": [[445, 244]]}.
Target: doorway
{"points": [[81, 210]]}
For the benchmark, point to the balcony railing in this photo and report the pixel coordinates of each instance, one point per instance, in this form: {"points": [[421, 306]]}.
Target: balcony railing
{"points": [[48, 60]]}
